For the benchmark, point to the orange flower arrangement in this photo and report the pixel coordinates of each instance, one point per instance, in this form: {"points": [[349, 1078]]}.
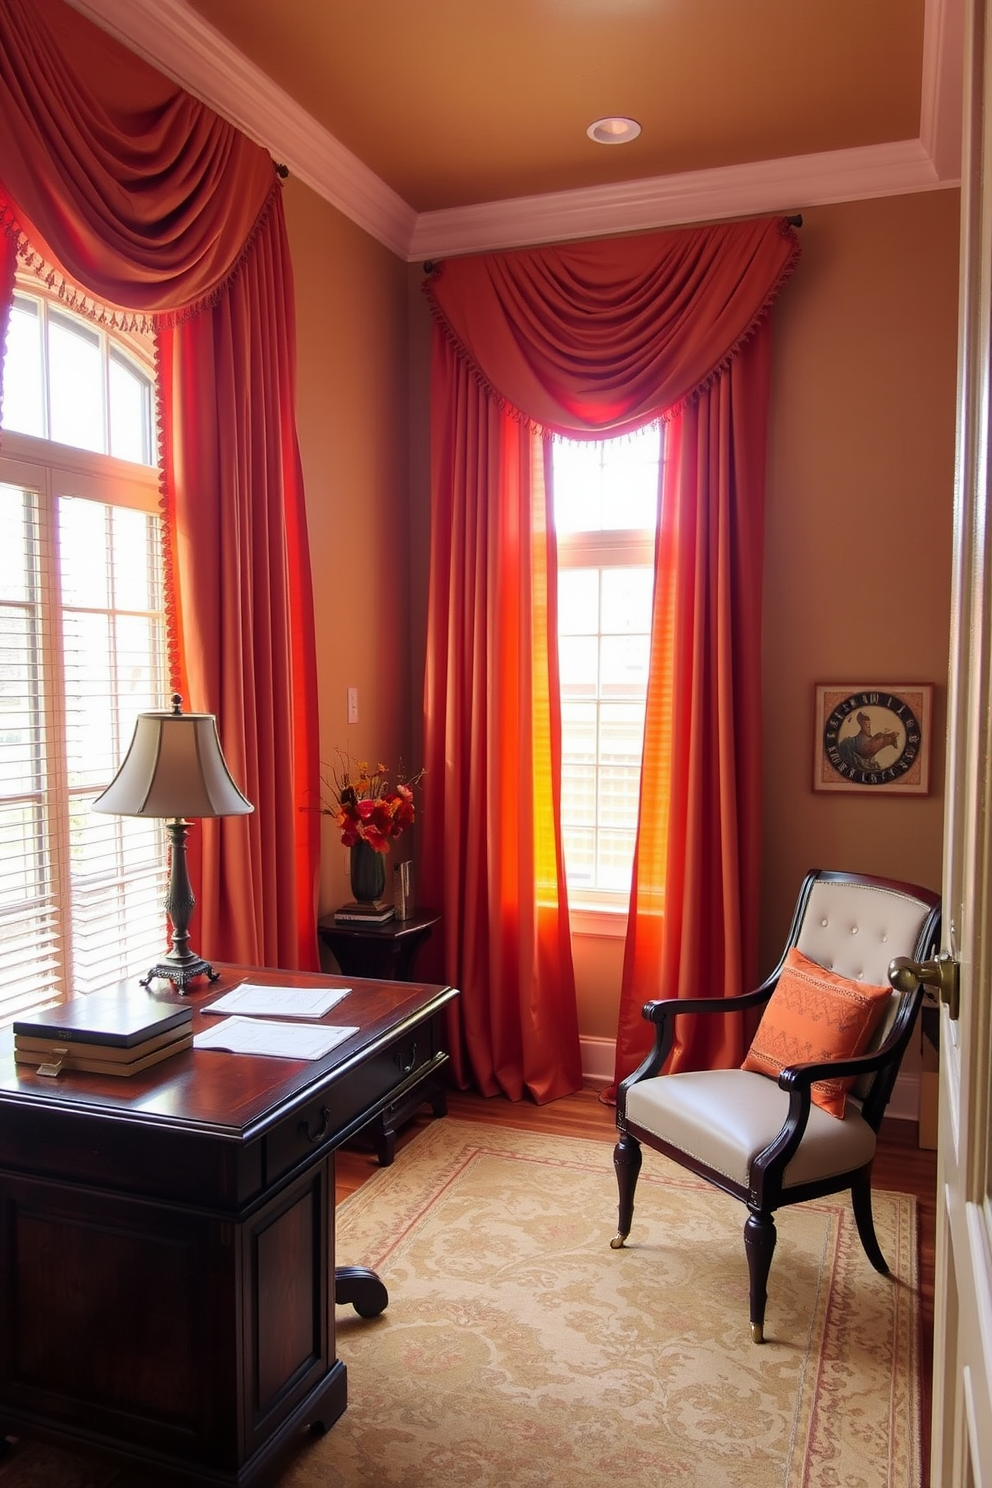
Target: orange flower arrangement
{"points": [[366, 807]]}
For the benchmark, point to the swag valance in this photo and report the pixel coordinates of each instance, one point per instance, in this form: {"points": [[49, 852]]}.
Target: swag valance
{"points": [[136, 188], [600, 337]]}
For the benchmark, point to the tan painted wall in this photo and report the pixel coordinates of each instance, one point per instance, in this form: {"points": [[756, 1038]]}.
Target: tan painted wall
{"points": [[858, 535], [858, 525], [352, 419]]}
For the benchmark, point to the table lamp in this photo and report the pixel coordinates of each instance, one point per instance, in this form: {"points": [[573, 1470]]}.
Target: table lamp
{"points": [[175, 769]]}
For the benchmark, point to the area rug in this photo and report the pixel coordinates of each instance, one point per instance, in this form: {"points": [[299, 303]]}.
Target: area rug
{"points": [[518, 1349]]}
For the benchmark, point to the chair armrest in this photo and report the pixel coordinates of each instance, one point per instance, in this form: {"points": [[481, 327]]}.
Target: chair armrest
{"points": [[797, 1075], [663, 1013], [798, 1080], [670, 1007]]}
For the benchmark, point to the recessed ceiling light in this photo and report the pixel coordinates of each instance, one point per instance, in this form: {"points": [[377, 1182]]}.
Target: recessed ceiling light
{"points": [[613, 131]]}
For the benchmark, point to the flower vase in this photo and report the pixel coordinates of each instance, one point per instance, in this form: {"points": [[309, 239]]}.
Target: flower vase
{"points": [[368, 873]]}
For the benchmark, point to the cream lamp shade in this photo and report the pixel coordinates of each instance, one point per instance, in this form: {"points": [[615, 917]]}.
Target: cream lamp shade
{"points": [[174, 768]]}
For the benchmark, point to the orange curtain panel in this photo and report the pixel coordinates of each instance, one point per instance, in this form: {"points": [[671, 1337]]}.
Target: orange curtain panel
{"points": [[593, 340], [136, 200], [490, 849], [692, 927]]}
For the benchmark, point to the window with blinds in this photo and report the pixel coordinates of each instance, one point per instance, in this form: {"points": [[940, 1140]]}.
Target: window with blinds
{"points": [[605, 513], [82, 652]]}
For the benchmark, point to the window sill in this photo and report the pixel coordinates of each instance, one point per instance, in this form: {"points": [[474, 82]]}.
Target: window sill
{"points": [[608, 922]]}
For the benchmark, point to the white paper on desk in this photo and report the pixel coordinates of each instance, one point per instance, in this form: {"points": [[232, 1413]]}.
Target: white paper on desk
{"points": [[262, 1036], [254, 1000]]}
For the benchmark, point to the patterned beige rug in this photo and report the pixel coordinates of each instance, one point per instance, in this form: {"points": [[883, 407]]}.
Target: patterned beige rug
{"points": [[519, 1350]]}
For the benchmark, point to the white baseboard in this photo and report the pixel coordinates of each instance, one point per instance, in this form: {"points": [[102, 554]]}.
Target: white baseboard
{"points": [[598, 1057], [598, 1060]]}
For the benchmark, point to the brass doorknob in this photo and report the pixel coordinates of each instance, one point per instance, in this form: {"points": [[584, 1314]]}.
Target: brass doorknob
{"points": [[941, 973]]}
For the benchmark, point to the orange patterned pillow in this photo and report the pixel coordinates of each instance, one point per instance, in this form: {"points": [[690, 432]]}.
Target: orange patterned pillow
{"points": [[815, 1014]]}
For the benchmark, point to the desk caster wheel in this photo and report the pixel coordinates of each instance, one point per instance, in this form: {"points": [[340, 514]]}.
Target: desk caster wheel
{"points": [[362, 1288]]}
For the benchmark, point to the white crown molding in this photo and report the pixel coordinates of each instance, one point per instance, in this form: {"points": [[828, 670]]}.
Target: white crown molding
{"points": [[172, 36], [942, 91], [665, 201]]}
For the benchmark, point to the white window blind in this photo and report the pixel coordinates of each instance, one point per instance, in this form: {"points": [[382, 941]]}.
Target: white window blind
{"points": [[30, 854]]}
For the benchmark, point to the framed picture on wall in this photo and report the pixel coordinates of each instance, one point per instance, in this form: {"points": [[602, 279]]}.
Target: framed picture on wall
{"points": [[873, 738]]}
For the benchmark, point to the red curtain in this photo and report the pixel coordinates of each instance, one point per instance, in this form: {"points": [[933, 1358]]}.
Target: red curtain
{"points": [[596, 339], [117, 185]]}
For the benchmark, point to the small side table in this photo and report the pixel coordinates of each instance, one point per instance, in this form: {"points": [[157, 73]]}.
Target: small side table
{"points": [[387, 953]]}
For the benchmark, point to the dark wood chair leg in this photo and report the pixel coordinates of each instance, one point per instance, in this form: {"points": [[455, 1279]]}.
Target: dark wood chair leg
{"points": [[861, 1204], [759, 1243], [627, 1163]]}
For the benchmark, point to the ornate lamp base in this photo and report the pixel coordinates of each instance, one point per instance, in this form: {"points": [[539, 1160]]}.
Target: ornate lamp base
{"points": [[180, 965], [181, 971]]}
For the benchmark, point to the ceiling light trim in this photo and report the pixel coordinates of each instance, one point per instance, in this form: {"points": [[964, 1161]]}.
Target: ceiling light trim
{"points": [[614, 129], [176, 39]]}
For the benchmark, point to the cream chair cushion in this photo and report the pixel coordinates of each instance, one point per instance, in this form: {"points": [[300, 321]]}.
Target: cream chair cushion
{"points": [[724, 1118]]}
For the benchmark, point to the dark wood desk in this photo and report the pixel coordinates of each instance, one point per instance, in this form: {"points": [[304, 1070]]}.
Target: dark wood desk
{"points": [[167, 1281]]}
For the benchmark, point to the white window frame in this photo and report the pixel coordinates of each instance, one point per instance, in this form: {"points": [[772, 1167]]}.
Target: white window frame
{"points": [[127, 347], [55, 471]]}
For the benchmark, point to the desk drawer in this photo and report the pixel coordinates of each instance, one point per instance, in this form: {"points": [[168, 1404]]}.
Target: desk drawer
{"points": [[349, 1102]]}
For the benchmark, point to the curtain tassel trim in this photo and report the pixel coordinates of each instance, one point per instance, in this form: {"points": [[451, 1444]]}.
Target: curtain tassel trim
{"points": [[74, 298]]}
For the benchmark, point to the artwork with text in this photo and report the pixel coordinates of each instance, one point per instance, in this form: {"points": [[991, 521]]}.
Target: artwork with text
{"points": [[871, 737]]}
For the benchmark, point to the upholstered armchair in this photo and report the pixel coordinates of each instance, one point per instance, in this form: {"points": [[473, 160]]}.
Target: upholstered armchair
{"points": [[801, 1118]]}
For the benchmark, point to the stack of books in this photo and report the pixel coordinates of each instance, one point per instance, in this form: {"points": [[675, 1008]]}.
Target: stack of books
{"points": [[106, 1033], [357, 913]]}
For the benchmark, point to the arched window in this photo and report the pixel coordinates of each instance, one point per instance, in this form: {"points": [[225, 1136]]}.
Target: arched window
{"points": [[82, 651]]}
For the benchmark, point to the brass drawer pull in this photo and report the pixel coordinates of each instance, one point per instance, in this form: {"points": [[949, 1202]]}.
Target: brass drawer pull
{"points": [[321, 1132], [407, 1068]]}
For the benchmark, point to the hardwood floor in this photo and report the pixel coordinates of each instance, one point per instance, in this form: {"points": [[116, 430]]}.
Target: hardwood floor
{"points": [[900, 1165]]}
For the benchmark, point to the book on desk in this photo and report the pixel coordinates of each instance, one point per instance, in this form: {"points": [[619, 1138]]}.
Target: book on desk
{"points": [[107, 1033]]}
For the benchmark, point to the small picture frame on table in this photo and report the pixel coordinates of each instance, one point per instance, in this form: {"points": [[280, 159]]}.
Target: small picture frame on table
{"points": [[873, 738]]}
